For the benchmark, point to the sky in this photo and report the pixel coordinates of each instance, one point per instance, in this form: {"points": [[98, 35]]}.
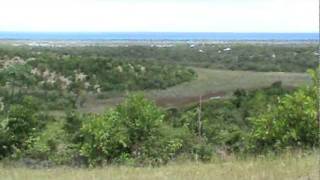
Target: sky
{"points": [[159, 15]]}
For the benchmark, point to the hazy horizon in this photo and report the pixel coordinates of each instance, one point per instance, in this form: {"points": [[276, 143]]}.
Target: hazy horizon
{"points": [[182, 32], [158, 36], [262, 32]]}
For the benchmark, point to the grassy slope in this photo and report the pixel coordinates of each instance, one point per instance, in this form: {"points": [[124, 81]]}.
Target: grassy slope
{"points": [[227, 81], [285, 167], [209, 83]]}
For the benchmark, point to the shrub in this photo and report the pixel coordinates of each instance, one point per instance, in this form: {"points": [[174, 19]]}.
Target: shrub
{"points": [[135, 130], [51, 145], [72, 125], [291, 122], [21, 121], [103, 138]]}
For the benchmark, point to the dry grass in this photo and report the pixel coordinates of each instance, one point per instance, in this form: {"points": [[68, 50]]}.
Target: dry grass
{"points": [[286, 167]]}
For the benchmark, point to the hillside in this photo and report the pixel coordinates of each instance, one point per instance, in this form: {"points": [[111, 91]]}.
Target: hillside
{"points": [[209, 84]]}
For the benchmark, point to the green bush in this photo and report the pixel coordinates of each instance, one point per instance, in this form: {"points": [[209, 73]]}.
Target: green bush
{"points": [[134, 130], [51, 145], [224, 122], [293, 121], [21, 122], [72, 125]]}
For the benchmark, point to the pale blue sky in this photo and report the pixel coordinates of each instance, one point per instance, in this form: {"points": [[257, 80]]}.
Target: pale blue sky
{"points": [[160, 15]]}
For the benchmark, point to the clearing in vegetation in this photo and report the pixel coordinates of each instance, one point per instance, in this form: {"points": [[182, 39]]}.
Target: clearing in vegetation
{"points": [[210, 84]]}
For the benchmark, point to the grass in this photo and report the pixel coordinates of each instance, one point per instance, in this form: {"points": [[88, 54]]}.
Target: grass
{"points": [[208, 83], [227, 81], [284, 167]]}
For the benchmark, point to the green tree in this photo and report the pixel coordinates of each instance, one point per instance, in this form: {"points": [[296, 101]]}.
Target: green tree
{"points": [[17, 127], [134, 130], [293, 121]]}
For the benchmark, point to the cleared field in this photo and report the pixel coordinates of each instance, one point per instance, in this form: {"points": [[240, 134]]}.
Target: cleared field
{"points": [[210, 83], [227, 81], [286, 167]]}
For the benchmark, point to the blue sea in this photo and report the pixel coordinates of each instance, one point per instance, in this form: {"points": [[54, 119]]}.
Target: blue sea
{"points": [[158, 36]]}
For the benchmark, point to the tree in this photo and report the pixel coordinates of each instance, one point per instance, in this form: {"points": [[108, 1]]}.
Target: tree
{"points": [[17, 127], [293, 121], [134, 130]]}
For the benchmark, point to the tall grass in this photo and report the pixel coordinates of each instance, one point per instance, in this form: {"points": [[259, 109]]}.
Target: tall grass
{"points": [[290, 166]]}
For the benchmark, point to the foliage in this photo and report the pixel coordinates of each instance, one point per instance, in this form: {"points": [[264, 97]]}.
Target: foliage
{"points": [[224, 123], [36, 80], [256, 57], [50, 144], [134, 130], [21, 122], [62, 79], [293, 121], [93, 74]]}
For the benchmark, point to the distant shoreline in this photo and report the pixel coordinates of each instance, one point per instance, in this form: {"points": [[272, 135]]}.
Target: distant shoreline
{"points": [[156, 43], [168, 37]]}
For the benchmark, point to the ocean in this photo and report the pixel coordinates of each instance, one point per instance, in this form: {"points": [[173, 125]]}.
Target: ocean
{"points": [[157, 36]]}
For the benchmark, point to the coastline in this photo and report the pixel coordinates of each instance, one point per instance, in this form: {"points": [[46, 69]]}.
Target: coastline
{"points": [[152, 43]]}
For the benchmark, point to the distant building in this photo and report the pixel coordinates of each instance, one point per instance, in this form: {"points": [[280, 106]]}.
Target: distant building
{"points": [[227, 49]]}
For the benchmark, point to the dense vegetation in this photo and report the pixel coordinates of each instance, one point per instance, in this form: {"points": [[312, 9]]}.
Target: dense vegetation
{"points": [[137, 131], [254, 57], [62, 81]]}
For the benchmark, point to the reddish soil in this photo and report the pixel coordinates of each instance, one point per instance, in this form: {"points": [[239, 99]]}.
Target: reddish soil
{"points": [[187, 100]]}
